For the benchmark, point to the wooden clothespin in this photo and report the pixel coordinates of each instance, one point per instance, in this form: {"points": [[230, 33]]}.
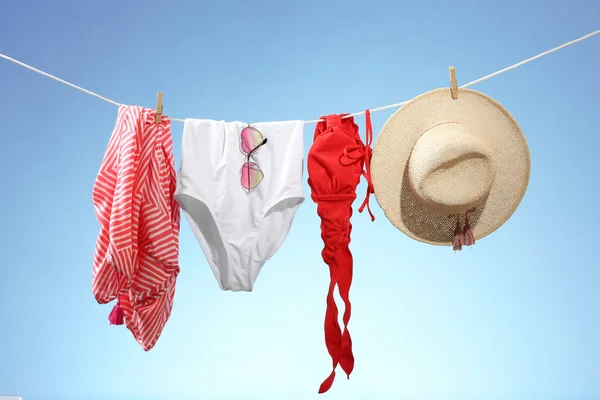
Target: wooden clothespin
{"points": [[453, 85], [159, 107]]}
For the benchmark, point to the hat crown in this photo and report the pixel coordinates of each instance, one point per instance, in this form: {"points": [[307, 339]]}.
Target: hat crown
{"points": [[450, 169]]}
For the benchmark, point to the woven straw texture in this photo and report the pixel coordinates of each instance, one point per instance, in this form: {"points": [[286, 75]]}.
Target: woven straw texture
{"points": [[484, 117]]}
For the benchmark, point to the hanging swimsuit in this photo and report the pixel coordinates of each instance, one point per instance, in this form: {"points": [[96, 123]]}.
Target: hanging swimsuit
{"points": [[335, 165], [137, 250], [239, 187]]}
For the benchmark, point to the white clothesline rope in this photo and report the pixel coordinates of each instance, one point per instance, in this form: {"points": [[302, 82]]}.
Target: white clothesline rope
{"points": [[589, 35]]}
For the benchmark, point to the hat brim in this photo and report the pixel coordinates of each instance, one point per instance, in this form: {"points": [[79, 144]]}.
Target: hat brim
{"points": [[485, 117]]}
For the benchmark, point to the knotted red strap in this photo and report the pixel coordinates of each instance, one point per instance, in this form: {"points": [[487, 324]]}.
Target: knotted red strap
{"points": [[363, 152], [367, 163]]}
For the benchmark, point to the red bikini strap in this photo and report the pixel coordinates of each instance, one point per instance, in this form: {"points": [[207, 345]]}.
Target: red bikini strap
{"points": [[339, 344], [367, 160]]}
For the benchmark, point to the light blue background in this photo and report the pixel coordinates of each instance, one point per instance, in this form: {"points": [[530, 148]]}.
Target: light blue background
{"points": [[515, 317]]}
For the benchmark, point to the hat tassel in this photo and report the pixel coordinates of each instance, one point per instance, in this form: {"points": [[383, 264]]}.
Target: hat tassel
{"points": [[457, 242], [463, 237], [468, 238]]}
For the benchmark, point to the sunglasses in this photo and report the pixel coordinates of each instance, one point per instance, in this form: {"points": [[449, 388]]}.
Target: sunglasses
{"points": [[252, 175]]}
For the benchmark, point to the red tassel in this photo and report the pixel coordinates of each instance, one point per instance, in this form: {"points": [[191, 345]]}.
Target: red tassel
{"points": [[469, 239], [458, 236], [116, 316]]}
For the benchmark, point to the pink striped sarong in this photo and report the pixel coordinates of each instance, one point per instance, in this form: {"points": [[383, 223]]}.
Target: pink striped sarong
{"points": [[137, 250]]}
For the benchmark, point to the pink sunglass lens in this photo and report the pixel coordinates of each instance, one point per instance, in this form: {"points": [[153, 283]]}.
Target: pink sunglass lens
{"points": [[251, 139], [252, 175]]}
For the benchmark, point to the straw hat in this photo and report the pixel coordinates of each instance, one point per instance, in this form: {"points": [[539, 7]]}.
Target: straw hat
{"points": [[438, 160]]}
